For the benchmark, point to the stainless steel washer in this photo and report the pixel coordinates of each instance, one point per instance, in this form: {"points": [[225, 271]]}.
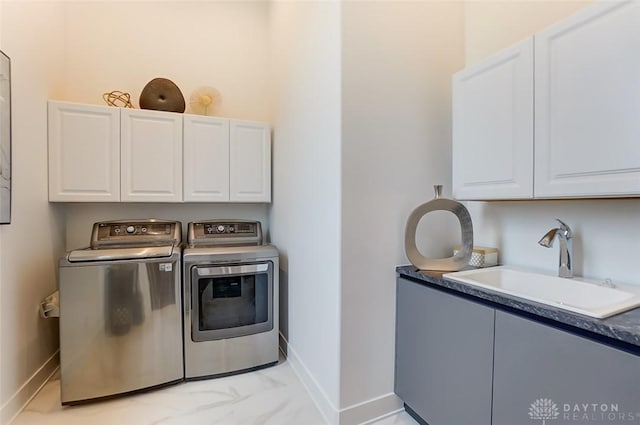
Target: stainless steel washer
{"points": [[230, 299], [120, 311]]}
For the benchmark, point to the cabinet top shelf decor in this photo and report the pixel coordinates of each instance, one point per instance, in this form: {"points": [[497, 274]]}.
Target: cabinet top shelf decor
{"points": [[108, 154]]}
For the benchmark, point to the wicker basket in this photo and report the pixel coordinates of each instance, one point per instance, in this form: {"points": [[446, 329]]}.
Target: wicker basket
{"points": [[481, 256]]}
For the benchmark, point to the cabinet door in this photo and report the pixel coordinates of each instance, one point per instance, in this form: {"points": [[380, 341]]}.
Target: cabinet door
{"points": [[151, 143], [587, 101], [545, 373], [206, 159], [493, 126], [444, 355], [84, 152], [250, 162]]}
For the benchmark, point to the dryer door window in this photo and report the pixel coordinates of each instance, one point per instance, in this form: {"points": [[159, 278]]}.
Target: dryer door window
{"points": [[231, 301]]}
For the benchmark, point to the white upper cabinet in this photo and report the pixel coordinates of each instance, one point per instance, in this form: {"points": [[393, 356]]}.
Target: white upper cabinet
{"points": [[84, 153], [206, 159], [493, 126], [151, 156], [587, 110], [577, 134], [226, 160], [107, 154], [250, 162]]}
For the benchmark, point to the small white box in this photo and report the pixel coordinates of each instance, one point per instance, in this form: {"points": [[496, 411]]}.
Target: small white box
{"points": [[481, 256]]}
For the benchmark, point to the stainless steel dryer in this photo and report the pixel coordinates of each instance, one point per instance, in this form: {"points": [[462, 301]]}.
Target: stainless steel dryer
{"points": [[230, 299], [120, 311]]}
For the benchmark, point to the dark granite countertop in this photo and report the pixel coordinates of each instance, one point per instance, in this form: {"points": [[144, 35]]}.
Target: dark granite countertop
{"points": [[623, 327]]}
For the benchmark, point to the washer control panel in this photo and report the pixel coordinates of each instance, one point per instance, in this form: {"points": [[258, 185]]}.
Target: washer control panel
{"points": [[224, 232], [140, 232], [135, 229]]}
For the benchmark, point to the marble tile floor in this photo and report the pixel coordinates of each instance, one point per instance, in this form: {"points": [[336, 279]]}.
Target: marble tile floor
{"points": [[271, 396]]}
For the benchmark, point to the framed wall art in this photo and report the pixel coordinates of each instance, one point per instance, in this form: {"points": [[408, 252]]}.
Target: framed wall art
{"points": [[5, 139]]}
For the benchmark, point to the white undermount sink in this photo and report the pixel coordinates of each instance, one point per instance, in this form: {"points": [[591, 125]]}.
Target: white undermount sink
{"points": [[575, 294]]}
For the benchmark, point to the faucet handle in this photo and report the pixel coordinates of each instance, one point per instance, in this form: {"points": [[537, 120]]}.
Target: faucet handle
{"points": [[565, 229]]}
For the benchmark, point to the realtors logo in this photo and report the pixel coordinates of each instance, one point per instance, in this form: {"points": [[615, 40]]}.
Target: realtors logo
{"points": [[544, 409]]}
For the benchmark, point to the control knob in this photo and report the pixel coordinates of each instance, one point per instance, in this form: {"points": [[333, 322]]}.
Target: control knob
{"points": [[220, 228], [131, 229]]}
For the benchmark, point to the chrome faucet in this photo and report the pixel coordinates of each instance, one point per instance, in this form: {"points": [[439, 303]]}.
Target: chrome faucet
{"points": [[566, 247]]}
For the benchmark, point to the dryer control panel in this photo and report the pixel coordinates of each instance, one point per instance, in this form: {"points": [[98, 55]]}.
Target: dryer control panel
{"points": [[224, 232]]}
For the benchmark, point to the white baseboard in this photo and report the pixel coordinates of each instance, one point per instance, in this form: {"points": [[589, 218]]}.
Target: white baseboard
{"points": [[366, 412], [28, 390], [328, 411], [371, 411]]}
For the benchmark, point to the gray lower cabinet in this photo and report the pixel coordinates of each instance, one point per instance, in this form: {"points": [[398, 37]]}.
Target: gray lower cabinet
{"points": [[444, 356], [545, 373], [463, 363]]}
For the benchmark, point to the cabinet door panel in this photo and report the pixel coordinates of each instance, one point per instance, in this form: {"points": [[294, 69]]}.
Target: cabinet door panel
{"points": [[151, 158], [206, 159], [84, 153], [250, 162], [493, 126], [587, 101], [534, 362], [444, 356]]}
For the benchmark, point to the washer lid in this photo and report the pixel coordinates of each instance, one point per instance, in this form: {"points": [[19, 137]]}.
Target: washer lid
{"points": [[138, 253]]}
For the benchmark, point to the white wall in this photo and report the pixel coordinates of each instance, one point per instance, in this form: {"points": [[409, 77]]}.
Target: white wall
{"points": [[607, 231], [607, 235], [123, 45], [31, 36], [362, 132], [305, 215], [397, 58], [493, 25]]}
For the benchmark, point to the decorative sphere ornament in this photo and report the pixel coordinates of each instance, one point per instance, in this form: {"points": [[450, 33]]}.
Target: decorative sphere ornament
{"points": [[117, 98]]}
